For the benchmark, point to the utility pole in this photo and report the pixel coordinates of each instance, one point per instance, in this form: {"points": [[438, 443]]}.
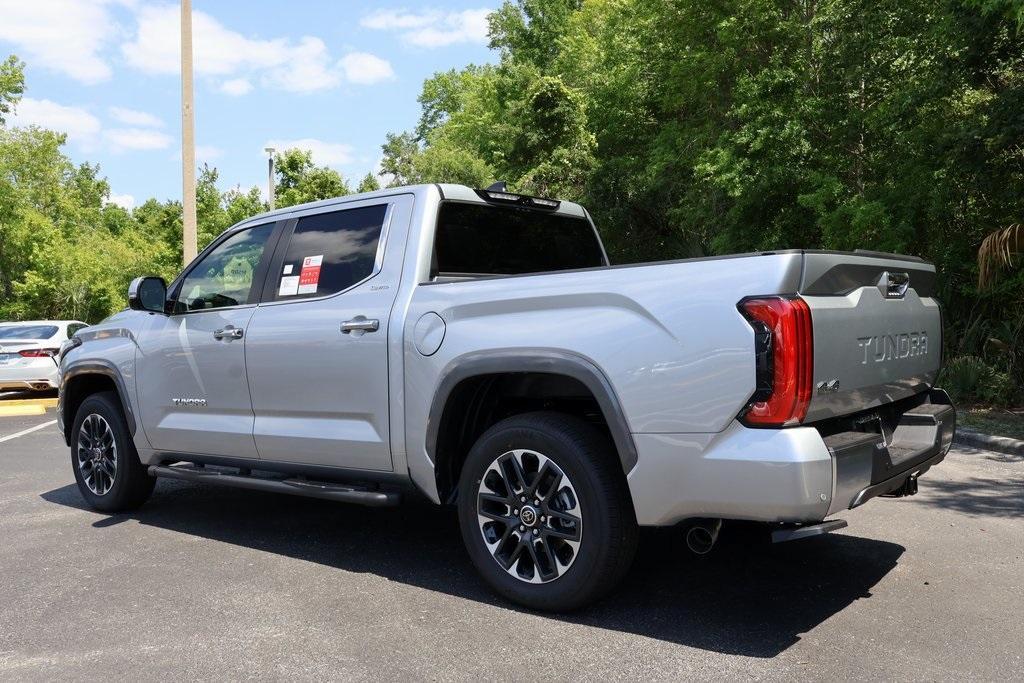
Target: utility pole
{"points": [[188, 134], [270, 175]]}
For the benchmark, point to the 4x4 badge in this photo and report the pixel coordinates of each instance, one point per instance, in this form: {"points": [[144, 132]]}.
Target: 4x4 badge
{"points": [[828, 386]]}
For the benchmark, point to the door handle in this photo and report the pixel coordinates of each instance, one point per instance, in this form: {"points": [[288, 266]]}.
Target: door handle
{"points": [[360, 324], [228, 333]]}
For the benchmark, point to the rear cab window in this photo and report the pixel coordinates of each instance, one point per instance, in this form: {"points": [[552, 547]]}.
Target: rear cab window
{"points": [[477, 240], [27, 331], [328, 253]]}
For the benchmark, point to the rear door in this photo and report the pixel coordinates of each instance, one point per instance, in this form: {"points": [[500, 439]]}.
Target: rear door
{"points": [[317, 348], [192, 384], [877, 330]]}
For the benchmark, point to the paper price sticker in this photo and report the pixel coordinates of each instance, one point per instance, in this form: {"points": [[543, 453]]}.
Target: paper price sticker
{"points": [[309, 276]]}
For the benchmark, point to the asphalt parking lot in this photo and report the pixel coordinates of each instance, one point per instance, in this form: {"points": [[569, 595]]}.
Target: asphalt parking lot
{"points": [[207, 582]]}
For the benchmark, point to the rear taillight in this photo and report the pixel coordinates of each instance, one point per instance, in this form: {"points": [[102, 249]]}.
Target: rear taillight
{"points": [[784, 352], [38, 353]]}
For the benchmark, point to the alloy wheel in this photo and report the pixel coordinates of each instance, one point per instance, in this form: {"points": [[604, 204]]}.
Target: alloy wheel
{"points": [[97, 454], [530, 516]]}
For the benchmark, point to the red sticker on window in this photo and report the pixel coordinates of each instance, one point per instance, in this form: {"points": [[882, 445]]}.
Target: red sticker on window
{"points": [[309, 276]]}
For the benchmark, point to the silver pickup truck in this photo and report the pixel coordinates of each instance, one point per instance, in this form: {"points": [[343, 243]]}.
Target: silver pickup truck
{"points": [[475, 347]]}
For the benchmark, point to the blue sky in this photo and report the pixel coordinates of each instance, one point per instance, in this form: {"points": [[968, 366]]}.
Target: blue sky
{"points": [[330, 76]]}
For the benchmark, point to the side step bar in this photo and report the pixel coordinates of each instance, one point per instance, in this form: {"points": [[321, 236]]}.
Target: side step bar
{"points": [[796, 533], [296, 487]]}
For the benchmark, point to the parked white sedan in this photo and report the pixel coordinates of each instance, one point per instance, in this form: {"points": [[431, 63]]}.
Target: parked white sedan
{"points": [[30, 350]]}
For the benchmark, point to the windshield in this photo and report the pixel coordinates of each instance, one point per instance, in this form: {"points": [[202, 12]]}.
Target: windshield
{"points": [[482, 239], [27, 331]]}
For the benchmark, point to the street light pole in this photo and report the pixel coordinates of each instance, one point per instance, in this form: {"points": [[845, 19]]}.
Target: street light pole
{"points": [[188, 131], [270, 175]]}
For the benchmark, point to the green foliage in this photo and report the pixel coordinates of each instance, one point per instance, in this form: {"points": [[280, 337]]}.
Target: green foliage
{"points": [[299, 180], [970, 380], [12, 85], [368, 184]]}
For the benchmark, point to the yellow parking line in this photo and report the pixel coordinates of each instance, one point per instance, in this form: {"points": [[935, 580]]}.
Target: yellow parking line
{"points": [[19, 411], [45, 402]]}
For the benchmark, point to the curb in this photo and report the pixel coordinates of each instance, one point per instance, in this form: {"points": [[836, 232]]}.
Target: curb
{"points": [[1001, 444]]}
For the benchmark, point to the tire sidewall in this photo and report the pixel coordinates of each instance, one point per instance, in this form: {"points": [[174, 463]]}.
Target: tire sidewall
{"points": [[570, 587], [118, 495]]}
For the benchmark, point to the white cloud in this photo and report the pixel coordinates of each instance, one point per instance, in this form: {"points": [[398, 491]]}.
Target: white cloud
{"points": [[133, 117], [301, 66], [432, 29], [364, 68], [207, 153], [236, 87], [62, 35], [124, 139], [82, 128], [125, 201], [330, 153]]}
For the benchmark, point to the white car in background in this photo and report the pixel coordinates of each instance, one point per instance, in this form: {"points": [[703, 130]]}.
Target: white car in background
{"points": [[30, 351]]}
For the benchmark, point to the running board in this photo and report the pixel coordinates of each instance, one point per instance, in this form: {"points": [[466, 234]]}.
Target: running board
{"points": [[796, 533], [296, 487]]}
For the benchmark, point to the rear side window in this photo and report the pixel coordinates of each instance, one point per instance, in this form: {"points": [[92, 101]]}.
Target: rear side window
{"points": [[28, 331], [330, 252], [75, 327], [481, 239]]}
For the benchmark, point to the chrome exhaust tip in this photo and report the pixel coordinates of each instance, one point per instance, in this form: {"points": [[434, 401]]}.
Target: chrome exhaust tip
{"points": [[702, 536]]}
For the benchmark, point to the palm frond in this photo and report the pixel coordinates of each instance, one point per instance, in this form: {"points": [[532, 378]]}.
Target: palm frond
{"points": [[997, 252]]}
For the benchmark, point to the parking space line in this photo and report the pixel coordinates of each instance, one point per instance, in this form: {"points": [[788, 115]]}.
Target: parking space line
{"points": [[21, 411], [27, 431]]}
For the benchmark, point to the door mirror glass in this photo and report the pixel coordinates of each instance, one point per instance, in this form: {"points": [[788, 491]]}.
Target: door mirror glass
{"points": [[147, 294]]}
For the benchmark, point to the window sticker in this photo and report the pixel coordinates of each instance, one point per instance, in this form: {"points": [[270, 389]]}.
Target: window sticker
{"points": [[309, 276], [287, 269], [289, 286]]}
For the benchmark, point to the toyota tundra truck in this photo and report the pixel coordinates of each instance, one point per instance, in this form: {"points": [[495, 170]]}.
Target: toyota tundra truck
{"points": [[477, 348]]}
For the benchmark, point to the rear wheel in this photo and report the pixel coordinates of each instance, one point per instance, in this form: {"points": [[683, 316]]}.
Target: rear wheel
{"points": [[545, 513], [107, 468]]}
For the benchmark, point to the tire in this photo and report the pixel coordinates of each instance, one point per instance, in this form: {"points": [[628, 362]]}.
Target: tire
{"points": [[583, 534], [101, 442]]}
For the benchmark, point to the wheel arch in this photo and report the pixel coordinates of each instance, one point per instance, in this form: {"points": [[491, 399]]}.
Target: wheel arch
{"points": [[81, 380], [476, 383]]}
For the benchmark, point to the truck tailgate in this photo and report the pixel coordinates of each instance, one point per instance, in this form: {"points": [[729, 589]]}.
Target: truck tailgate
{"points": [[877, 330]]}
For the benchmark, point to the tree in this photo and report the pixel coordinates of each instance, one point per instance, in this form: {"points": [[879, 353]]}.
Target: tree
{"points": [[299, 180], [12, 85], [368, 184]]}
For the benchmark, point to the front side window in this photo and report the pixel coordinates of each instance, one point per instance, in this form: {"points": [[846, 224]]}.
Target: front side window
{"points": [[224, 277], [330, 252]]}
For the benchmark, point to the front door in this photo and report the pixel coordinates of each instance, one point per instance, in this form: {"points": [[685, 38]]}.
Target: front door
{"points": [[192, 384], [317, 350]]}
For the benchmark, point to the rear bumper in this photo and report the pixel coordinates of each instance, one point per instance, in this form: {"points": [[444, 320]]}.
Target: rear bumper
{"points": [[33, 375], [787, 475]]}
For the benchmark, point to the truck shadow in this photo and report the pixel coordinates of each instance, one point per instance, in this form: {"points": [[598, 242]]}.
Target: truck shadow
{"points": [[747, 597]]}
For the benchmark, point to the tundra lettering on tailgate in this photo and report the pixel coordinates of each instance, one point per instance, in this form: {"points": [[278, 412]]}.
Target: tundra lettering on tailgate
{"points": [[885, 347]]}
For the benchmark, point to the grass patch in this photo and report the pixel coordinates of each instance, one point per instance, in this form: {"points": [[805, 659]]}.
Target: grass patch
{"points": [[995, 421]]}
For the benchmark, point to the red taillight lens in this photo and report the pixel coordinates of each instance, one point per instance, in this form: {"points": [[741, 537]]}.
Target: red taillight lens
{"points": [[785, 347], [38, 353]]}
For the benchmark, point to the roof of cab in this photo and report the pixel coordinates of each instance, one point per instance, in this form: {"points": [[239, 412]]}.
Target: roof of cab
{"points": [[460, 193]]}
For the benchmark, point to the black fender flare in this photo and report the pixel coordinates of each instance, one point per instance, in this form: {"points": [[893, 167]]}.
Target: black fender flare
{"points": [[92, 367], [546, 361]]}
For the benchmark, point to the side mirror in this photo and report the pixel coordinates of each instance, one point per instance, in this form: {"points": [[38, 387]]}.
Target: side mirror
{"points": [[147, 294]]}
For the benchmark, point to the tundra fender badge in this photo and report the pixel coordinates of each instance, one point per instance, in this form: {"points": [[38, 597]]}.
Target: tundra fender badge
{"points": [[189, 402]]}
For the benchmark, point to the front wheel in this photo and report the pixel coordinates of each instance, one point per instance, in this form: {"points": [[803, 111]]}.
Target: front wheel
{"points": [[107, 468], [545, 513]]}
